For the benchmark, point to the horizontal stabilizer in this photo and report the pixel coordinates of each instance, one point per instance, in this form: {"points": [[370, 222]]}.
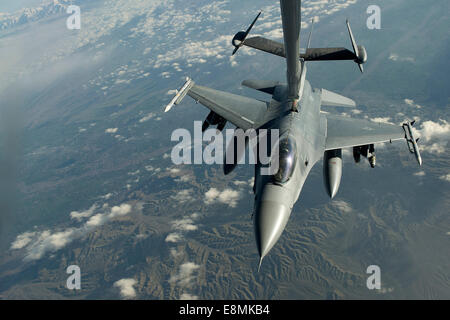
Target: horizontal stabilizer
{"points": [[266, 45], [333, 99], [311, 54], [323, 54], [266, 86]]}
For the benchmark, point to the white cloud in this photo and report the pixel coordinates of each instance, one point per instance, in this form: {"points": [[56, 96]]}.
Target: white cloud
{"points": [[194, 52], [434, 136], [22, 240], [83, 214], [185, 224], [227, 196], [46, 241], [174, 237], [382, 120], [134, 173], [185, 275], [127, 290], [175, 253], [188, 296], [396, 57], [111, 130], [420, 174], [101, 218], [37, 244], [410, 102], [173, 170], [445, 177], [275, 33], [107, 196], [342, 206], [184, 196], [182, 225]]}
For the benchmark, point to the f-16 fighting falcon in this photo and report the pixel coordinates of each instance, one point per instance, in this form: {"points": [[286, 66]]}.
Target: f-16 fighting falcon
{"points": [[305, 133]]}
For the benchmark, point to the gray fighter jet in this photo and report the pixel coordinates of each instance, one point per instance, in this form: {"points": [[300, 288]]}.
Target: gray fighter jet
{"points": [[306, 133]]}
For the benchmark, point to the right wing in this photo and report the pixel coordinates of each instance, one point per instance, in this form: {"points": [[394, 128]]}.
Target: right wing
{"points": [[243, 112], [343, 132]]}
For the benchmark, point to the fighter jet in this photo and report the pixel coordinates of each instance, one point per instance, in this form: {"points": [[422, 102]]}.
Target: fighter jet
{"points": [[306, 134]]}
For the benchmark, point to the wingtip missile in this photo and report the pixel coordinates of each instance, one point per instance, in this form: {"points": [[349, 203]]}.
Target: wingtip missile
{"points": [[412, 141], [180, 94]]}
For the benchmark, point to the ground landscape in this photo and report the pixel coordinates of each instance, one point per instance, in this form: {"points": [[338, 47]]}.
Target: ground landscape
{"points": [[87, 178]]}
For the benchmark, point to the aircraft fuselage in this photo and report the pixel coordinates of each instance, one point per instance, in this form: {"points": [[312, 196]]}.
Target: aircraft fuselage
{"points": [[274, 199]]}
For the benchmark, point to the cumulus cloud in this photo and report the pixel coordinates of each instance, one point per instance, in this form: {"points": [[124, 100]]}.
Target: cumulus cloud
{"points": [[342, 206], [83, 214], [240, 183], [102, 218], [185, 224], [134, 173], [174, 237], [188, 296], [175, 253], [23, 240], [127, 290], [107, 196], [173, 170], [228, 196], [180, 226], [411, 102], [420, 174], [111, 130], [184, 196], [434, 136], [150, 168], [37, 244], [185, 275], [382, 120]]}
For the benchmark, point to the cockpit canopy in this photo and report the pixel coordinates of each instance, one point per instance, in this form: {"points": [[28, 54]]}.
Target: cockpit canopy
{"points": [[287, 158]]}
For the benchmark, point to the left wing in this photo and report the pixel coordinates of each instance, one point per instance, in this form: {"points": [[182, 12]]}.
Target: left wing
{"points": [[343, 132], [243, 112]]}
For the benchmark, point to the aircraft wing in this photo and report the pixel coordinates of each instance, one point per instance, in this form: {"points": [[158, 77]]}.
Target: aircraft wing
{"points": [[243, 112], [343, 132]]}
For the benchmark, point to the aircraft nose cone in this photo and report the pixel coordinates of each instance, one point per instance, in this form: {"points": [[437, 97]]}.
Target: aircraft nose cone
{"points": [[270, 219]]}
